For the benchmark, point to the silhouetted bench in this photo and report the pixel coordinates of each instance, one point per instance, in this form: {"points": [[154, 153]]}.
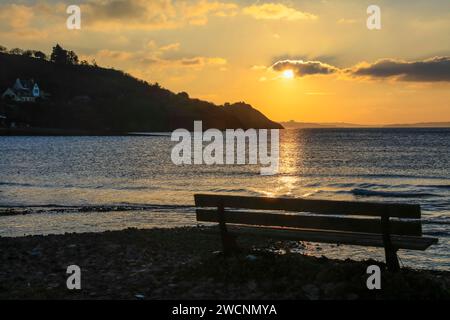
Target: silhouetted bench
{"points": [[392, 226]]}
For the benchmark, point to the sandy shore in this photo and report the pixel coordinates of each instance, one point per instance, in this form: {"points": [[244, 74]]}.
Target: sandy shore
{"points": [[184, 264]]}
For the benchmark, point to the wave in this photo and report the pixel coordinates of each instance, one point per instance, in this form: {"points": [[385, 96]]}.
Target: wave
{"points": [[392, 194], [47, 186], [228, 190], [15, 184], [435, 222], [437, 186], [129, 188], [71, 186], [385, 186], [10, 210], [368, 175]]}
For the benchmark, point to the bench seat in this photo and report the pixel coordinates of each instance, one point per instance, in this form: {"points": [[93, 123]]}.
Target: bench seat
{"points": [[338, 237]]}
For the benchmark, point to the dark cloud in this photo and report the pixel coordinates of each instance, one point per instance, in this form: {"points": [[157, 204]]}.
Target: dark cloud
{"points": [[303, 68], [118, 9], [429, 70], [156, 14], [191, 61]]}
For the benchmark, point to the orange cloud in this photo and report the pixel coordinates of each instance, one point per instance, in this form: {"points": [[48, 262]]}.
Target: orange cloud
{"points": [[153, 56], [155, 14], [276, 11], [17, 16]]}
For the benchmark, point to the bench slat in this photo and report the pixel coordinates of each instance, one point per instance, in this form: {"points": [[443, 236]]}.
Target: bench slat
{"points": [[325, 207], [411, 228], [399, 242]]}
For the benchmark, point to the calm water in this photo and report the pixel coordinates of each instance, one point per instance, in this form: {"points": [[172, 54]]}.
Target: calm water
{"points": [[78, 184]]}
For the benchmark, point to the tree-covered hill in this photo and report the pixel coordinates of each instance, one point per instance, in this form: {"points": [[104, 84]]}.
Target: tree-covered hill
{"points": [[87, 97]]}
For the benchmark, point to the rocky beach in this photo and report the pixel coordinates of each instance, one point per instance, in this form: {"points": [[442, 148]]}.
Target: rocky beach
{"points": [[185, 263]]}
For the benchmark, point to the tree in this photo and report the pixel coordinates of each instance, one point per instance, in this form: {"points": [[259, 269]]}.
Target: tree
{"points": [[40, 55], [72, 58], [183, 95], [62, 56], [3, 49], [59, 55], [16, 51], [28, 53]]}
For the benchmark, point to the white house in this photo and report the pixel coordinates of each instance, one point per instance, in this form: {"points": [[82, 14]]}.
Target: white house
{"points": [[23, 91], [2, 120]]}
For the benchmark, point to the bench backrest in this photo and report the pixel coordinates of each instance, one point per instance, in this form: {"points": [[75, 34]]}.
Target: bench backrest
{"points": [[349, 216]]}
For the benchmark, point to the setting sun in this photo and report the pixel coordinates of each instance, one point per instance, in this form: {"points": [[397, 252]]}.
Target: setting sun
{"points": [[288, 74]]}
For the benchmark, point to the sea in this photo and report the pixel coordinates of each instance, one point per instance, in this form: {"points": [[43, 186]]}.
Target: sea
{"points": [[55, 185]]}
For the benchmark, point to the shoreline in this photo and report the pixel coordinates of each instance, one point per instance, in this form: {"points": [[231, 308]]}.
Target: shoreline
{"points": [[15, 210], [94, 133], [70, 133], [184, 263]]}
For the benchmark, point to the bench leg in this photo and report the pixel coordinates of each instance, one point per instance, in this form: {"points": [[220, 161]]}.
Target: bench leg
{"points": [[391, 259], [228, 242], [390, 252]]}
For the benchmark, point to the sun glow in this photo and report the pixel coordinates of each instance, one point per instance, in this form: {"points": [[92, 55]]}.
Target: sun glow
{"points": [[288, 74]]}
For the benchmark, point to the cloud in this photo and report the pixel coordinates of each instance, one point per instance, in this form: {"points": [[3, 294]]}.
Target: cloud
{"points": [[114, 15], [429, 70], [155, 14], [120, 9], [18, 21], [276, 11], [114, 55], [154, 56], [168, 14], [347, 21], [17, 16], [436, 69], [194, 62], [258, 67], [198, 13], [304, 68], [171, 47]]}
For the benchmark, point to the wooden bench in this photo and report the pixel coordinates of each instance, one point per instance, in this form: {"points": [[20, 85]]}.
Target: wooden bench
{"points": [[392, 226]]}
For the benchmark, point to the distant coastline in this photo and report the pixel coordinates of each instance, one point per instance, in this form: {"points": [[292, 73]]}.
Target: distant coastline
{"points": [[306, 125], [68, 132]]}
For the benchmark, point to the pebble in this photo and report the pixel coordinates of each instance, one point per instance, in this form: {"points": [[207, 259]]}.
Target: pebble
{"points": [[113, 273], [35, 252], [311, 291], [251, 257]]}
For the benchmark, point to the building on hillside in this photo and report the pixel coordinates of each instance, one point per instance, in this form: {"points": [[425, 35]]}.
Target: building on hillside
{"points": [[23, 91], [3, 120]]}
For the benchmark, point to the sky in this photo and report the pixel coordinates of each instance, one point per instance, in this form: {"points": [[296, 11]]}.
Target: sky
{"points": [[308, 61]]}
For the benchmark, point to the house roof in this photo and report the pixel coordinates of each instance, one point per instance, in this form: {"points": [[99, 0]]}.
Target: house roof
{"points": [[23, 84], [8, 91]]}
